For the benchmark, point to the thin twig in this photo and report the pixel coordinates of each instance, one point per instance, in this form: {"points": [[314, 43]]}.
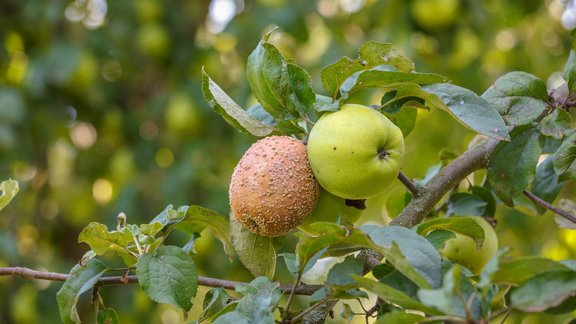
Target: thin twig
{"points": [[542, 203], [120, 280], [292, 291], [409, 184]]}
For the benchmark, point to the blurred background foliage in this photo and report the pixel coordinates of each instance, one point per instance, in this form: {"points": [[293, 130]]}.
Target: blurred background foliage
{"points": [[101, 112]]}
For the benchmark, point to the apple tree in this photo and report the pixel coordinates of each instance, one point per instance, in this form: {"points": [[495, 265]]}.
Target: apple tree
{"points": [[438, 259]]}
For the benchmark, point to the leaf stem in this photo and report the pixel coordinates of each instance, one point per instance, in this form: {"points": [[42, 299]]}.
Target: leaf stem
{"points": [[28, 273], [542, 203]]}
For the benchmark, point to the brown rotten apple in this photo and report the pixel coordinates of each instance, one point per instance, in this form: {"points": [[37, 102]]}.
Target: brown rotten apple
{"points": [[273, 189]]}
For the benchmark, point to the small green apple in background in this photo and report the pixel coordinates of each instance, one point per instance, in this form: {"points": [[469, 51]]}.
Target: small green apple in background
{"points": [[463, 250], [355, 152], [330, 208], [435, 14]]}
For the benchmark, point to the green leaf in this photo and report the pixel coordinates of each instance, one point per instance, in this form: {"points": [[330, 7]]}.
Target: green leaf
{"points": [[385, 76], [405, 119], [232, 113], [544, 291], [457, 296], [518, 271], [9, 189], [438, 237], [519, 97], [302, 88], [339, 274], [169, 276], [410, 253], [198, 218], [255, 252], [460, 225], [569, 73], [151, 229], [347, 312], [399, 318], [329, 234], [565, 159], [101, 240], [512, 165], [216, 303], [80, 279], [462, 203], [282, 89], [545, 184], [393, 296], [257, 306], [371, 54], [555, 125], [107, 316], [488, 197], [469, 109]]}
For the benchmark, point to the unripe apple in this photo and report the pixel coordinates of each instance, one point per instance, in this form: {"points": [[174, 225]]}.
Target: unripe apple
{"points": [[355, 152], [330, 208], [273, 189], [463, 250]]}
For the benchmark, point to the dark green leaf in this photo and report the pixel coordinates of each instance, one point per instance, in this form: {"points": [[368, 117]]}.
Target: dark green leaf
{"points": [[258, 113], [339, 274], [329, 234], [488, 197], [216, 303], [302, 88], [568, 305], [255, 252], [405, 119], [257, 306], [438, 237], [462, 203], [469, 109], [282, 89], [198, 218], [410, 253], [107, 316], [520, 270], [461, 225], [519, 97], [512, 165], [399, 318], [291, 262], [565, 159], [101, 241], [80, 279], [569, 73], [556, 124], [393, 296], [545, 184], [385, 76], [232, 113], [9, 189], [544, 291], [371, 54], [169, 276], [457, 295]]}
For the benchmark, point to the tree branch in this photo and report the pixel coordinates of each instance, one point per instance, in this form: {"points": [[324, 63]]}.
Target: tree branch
{"points": [[540, 202], [121, 280], [450, 176]]}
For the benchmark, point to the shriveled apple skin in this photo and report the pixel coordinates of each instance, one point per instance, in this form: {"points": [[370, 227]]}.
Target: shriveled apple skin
{"points": [[272, 188]]}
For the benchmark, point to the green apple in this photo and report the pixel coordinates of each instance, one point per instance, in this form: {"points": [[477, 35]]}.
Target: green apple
{"points": [[330, 208], [435, 14], [355, 152], [463, 250]]}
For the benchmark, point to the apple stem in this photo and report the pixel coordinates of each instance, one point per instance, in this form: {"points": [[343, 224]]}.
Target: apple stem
{"points": [[409, 184]]}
